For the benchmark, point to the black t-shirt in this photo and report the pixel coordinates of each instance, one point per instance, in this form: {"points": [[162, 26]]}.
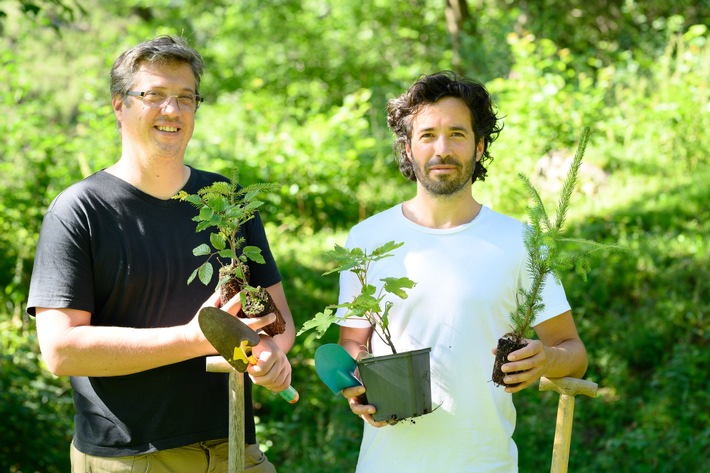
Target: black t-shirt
{"points": [[107, 248]]}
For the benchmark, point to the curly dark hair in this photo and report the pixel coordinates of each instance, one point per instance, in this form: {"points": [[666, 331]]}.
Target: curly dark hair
{"points": [[430, 89]]}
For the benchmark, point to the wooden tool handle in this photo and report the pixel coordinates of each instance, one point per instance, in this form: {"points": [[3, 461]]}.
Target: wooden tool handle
{"points": [[569, 386]]}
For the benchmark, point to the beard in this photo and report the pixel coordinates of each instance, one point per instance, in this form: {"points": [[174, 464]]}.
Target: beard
{"points": [[448, 184]]}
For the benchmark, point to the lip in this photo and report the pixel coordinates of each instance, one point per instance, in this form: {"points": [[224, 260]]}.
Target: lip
{"points": [[172, 129], [440, 168]]}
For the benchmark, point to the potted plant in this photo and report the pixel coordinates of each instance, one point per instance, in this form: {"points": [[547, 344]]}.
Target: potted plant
{"points": [[398, 385], [549, 253], [224, 207]]}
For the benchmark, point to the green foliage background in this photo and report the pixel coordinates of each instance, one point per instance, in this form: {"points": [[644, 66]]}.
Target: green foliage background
{"points": [[295, 96]]}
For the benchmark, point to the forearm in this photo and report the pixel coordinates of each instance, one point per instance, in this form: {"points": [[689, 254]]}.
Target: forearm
{"points": [[286, 339], [355, 341], [116, 351], [568, 358]]}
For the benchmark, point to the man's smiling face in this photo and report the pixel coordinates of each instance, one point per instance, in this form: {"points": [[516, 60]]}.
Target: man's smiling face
{"points": [[157, 133]]}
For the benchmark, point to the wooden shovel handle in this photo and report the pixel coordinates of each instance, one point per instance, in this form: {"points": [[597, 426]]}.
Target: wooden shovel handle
{"points": [[568, 388]]}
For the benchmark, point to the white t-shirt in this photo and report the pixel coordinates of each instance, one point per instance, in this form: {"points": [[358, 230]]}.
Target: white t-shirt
{"points": [[467, 279]]}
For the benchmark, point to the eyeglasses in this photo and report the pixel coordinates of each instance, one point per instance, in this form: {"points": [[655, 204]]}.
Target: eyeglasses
{"points": [[155, 99]]}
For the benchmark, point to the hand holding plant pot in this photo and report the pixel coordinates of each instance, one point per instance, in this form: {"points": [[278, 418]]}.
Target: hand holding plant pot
{"points": [[225, 207]]}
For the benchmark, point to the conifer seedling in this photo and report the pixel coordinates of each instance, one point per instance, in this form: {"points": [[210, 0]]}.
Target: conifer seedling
{"points": [[549, 253]]}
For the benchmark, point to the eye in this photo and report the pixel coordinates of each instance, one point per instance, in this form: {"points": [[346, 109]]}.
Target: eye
{"points": [[187, 100], [155, 97]]}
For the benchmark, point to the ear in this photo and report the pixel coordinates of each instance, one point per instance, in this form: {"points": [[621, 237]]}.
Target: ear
{"points": [[408, 151], [480, 148], [117, 103]]}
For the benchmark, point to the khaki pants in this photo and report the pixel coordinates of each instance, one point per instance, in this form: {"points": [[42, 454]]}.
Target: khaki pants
{"points": [[207, 457]]}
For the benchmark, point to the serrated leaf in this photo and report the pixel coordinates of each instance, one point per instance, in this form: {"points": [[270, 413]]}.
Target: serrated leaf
{"points": [[386, 248], [321, 322], [253, 253], [397, 286]]}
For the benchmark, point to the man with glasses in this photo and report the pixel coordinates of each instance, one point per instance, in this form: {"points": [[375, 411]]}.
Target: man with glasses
{"points": [[109, 291]]}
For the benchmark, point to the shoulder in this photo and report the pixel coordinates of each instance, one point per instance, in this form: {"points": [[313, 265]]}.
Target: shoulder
{"points": [[83, 193], [377, 228], [499, 220], [500, 224], [200, 178], [386, 217]]}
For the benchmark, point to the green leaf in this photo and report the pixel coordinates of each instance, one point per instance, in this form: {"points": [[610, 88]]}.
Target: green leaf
{"points": [[384, 250], [202, 250], [253, 253], [205, 272], [344, 258], [227, 253], [206, 214], [320, 322], [396, 286], [217, 241]]}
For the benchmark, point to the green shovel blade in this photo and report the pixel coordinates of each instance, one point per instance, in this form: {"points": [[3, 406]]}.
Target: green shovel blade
{"points": [[335, 367]]}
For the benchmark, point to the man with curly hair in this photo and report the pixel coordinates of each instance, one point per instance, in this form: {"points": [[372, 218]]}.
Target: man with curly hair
{"points": [[468, 263]]}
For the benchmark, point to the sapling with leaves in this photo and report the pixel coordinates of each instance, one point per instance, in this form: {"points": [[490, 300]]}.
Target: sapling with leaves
{"points": [[370, 303], [550, 253], [224, 208]]}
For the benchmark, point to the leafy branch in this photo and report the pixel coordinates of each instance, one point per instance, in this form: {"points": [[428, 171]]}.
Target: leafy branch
{"points": [[369, 303], [225, 207]]}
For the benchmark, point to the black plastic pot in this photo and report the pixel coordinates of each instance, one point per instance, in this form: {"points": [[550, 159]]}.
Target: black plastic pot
{"points": [[399, 386]]}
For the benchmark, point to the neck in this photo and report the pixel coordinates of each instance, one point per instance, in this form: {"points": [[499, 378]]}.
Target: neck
{"points": [[160, 180], [441, 212]]}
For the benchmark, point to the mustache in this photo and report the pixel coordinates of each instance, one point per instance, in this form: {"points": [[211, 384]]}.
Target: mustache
{"points": [[446, 161]]}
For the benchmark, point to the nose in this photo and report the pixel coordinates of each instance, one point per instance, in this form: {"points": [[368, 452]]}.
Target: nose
{"points": [[170, 104], [442, 147]]}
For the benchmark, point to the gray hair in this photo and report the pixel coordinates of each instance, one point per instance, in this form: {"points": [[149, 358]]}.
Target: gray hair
{"points": [[160, 50]]}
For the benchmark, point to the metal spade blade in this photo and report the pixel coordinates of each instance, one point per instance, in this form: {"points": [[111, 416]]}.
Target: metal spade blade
{"points": [[233, 340], [226, 333]]}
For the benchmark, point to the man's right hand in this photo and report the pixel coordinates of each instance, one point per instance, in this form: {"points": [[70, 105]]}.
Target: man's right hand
{"points": [[355, 396]]}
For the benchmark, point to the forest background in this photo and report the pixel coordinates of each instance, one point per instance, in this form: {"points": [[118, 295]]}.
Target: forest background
{"points": [[295, 93]]}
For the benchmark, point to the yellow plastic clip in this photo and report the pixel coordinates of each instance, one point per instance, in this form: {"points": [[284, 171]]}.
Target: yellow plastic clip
{"points": [[243, 353]]}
